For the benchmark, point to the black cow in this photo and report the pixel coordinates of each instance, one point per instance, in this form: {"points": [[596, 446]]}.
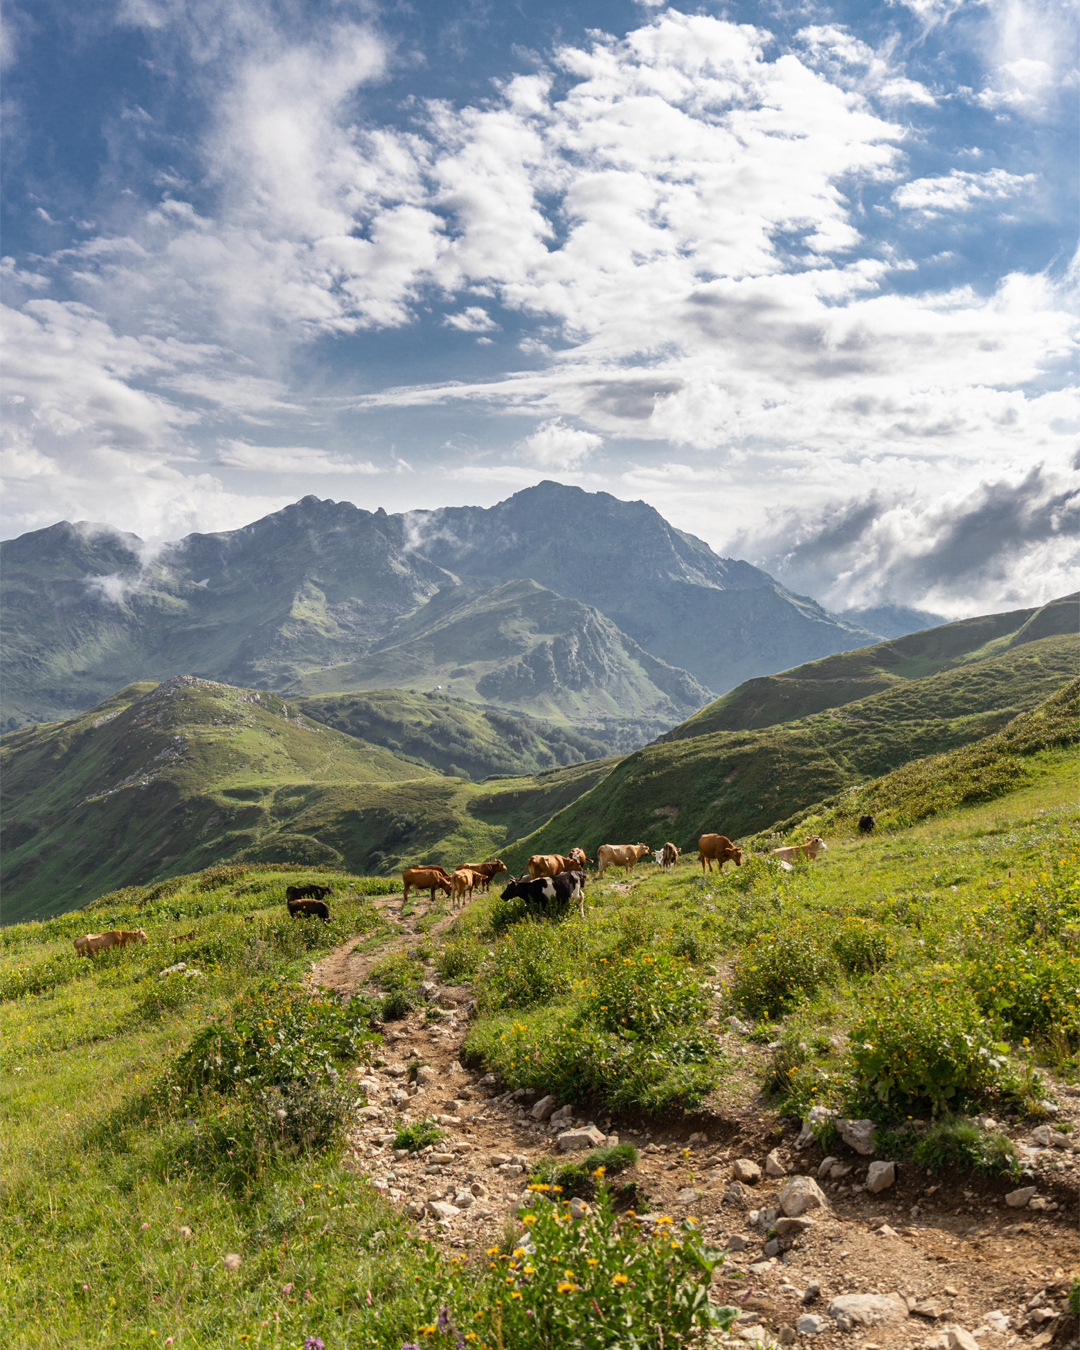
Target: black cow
{"points": [[866, 824], [303, 892], [318, 908], [544, 891]]}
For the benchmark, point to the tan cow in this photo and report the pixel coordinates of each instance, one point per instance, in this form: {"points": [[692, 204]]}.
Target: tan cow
{"points": [[486, 870], [428, 876], [619, 855], [813, 846], [100, 942], [718, 848], [463, 881], [669, 855], [551, 865]]}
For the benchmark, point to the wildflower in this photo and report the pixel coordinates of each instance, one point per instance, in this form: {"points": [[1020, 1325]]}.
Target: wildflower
{"points": [[565, 1287], [620, 1278]]}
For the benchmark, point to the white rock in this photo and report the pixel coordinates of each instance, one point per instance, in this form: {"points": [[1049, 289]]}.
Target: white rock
{"points": [[441, 1209], [589, 1137], [543, 1108], [801, 1194], [773, 1166], [498, 1159], [1018, 1199], [826, 1165], [881, 1176], [425, 1074], [368, 1113], [867, 1309], [578, 1209], [746, 1170], [464, 1199], [959, 1339], [997, 1321], [756, 1335], [809, 1324], [1059, 1140], [688, 1196], [396, 1070], [816, 1118], [858, 1134]]}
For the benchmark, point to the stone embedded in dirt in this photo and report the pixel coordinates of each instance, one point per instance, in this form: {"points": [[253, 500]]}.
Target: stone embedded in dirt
{"points": [[1040, 1202], [826, 1165], [815, 1119], [588, 1137], [882, 1175], [867, 1310], [928, 1308], [497, 1159], [511, 1169], [442, 1210], [441, 1157], [464, 1199], [887, 1231], [448, 1120], [369, 1085], [415, 1210], [543, 1108], [396, 1070], [746, 1170], [563, 1113], [1019, 1199], [425, 1074], [772, 1247], [755, 1335], [737, 1194], [688, 1196], [368, 1113], [773, 1166], [997, 1321], [735, 1242], [809, 1324], [812, 1292], [801, 1194], [697, 1138], [858, 1134], [959, 1339], [791, 1227], [839, 1170], [478, 1189]]}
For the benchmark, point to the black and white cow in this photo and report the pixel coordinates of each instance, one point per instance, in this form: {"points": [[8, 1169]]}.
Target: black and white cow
{"points": [[546, 891]]}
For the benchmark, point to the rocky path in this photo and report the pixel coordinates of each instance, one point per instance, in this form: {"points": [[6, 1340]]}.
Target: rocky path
{"points": [[954, 1264]]}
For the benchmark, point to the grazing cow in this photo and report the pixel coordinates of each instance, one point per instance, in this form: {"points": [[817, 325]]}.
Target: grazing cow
{"points": [[307, 892], [619, 855], [866, 824], [428, 876], [544, 891], [578, 854], [462, 883], [814, 844], [669, 855], [485, 870], [718, 848], [319, 909], [99, 942], [551, 864]]}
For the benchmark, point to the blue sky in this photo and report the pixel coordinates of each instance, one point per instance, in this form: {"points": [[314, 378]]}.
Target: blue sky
{"points": [[803, 276]]}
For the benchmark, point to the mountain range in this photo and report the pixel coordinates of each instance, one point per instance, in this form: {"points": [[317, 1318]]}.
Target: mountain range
{"points": [[559, 603]]}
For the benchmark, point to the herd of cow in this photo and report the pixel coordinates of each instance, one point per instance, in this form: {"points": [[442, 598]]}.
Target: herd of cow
{"points": [[552, 878]]}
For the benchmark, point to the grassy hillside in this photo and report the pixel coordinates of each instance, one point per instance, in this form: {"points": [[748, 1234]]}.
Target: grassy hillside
{"points": [[162, 779], [130, 1166], [737, 783], [849, 676], [524, 648]]}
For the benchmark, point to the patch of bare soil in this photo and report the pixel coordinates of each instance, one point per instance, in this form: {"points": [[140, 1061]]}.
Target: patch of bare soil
{"points": [[952, 1263]]}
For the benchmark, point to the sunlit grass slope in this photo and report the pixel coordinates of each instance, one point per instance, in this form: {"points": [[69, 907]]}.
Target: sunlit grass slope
{"points": [[737, 783]]}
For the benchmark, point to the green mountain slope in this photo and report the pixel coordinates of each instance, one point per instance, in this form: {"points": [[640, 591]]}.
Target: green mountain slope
{"points": [[520, 646], [741, 782], [450, 734], [841, 679]]}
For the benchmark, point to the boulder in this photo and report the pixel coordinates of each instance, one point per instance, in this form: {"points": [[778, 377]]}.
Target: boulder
{"points": [[589, 1137], [1019, 1199], [817, 1117], [746, 1170], [773, 1166], [425, 1074], [809, 1324], [801, 1194], [848, 1310], [858, 1134], [442, 1210], [544, 1108], [826, 1165], [960, 1339], [881, 1176]]}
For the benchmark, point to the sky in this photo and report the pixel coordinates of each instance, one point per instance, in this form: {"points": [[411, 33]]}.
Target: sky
{"points": [[802, 276]]}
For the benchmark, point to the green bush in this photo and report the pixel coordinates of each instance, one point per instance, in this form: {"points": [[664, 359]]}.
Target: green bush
{"points": [[960, 1143], [568, 1179], [41, 976], [923, 1044], [417, 1134], [461, 957], [534, 963], [861, 945], [396, 972], [588, 1284], [644, 996], [779, 969], [1032, 991]]}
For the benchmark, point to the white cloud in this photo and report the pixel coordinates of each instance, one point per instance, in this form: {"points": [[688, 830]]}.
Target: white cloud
{"points": [[554, 445], [474, 319], [960, 189], [295, 459]]}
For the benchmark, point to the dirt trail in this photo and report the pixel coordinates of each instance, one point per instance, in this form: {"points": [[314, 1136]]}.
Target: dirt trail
{"points": [[945, 1259]]}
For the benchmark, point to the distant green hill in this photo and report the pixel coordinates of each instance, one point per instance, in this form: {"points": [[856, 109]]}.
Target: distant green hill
{"points": [[847, 676], [450, 734], [520, 646], [741, 782]]}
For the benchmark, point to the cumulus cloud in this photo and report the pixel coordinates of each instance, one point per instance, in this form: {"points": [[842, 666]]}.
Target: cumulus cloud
{"points": [[475, 319], [959, 189], [554, 445], [293, 459]]}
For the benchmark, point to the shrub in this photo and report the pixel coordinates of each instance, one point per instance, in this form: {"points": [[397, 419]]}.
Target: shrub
{"points": [[396, 972], [591, 1284], [396, 1005], [959, 1142], [461, 957], [569, 1179], [862, 946], [533, 964], [417, 1134], [779, 969], [924, 1044], [1033, 992], [41, 976], [643, 996]]}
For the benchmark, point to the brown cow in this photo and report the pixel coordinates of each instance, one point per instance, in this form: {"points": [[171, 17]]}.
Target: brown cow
{"points": [[99, 942], [426, 876], [463, 881], [486, 870], [551, 865], [809, 850], [720, 847], [620, 855], [669, 855]]}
